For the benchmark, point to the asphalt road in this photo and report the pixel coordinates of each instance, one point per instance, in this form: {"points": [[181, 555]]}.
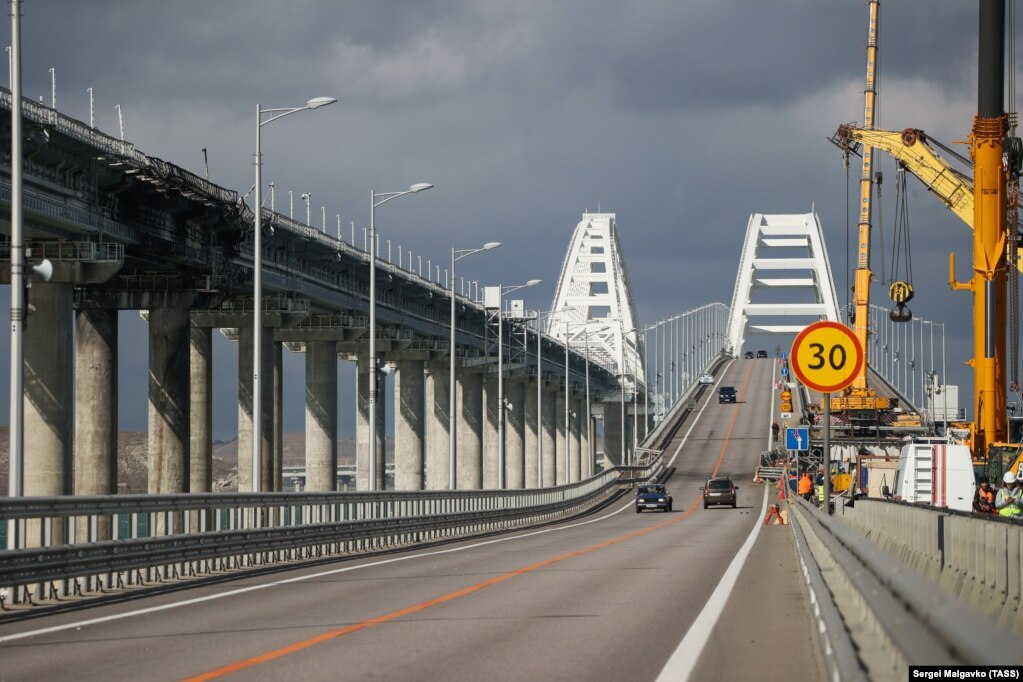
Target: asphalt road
{"points": [[614, 595]]}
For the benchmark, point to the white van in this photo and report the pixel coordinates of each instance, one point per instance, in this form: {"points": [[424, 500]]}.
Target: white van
{"points": [[931, 471]]}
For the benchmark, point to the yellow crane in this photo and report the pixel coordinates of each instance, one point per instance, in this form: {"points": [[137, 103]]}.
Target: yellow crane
{"points": [[858, 398], [981, 204]]}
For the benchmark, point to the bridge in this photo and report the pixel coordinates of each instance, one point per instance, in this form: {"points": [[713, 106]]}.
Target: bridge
{"points": [[533, 564]]}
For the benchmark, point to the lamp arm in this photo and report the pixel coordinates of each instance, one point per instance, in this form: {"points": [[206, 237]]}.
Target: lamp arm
{"points": [[278, 113]]}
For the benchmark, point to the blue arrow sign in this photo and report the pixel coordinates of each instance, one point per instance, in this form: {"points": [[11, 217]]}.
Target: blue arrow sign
{"points": [[798, 438]]}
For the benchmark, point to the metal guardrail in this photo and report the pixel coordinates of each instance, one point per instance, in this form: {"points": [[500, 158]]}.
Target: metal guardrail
{"points": [[117, 541], [894, 615]]}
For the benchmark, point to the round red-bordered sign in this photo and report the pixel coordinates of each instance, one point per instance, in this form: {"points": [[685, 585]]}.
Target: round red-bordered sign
{"points": [[826, 356]]}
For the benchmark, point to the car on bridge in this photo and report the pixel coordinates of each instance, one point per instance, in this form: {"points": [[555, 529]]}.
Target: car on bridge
{"points": [[748, 355], [761, 353], [720, 490], [706, 379], [653, 496], [726, 394]]}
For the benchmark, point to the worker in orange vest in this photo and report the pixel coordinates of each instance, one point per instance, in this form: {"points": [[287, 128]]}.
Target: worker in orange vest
{"points": [[805, 489]]}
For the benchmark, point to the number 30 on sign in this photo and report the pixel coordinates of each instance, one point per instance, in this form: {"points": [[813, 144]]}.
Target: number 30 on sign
{"points": [[827, 357]]}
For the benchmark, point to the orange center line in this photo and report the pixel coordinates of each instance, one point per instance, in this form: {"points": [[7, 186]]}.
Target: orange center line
{"points": [[451, 596]]}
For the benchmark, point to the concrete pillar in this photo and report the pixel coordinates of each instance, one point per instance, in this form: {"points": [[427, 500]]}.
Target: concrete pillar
{"points": [[531, 434], [574, 443], [362, 426], [95, 402], [438, 445], [612, 435], [491, 442], [587, 446], [320, 416], [548, 437], [49, 393], [469, 467], [408, 425], [277, 477], [561, 447], [514, 434], [200, 447], [245, 334], [169, 386]]}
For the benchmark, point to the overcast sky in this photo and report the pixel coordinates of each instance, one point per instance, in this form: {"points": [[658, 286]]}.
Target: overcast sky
{"points": [[683, 117]]}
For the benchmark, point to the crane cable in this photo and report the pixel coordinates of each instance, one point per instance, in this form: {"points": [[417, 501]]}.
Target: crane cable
{"points": [[901, 290]]}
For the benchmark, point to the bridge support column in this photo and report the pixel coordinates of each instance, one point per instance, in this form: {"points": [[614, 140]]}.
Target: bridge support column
{"points": [[245, 341], [470, 431], [320, 416], [362, 472], [530, 435], [95, 449], [48, 391], [561, 448], [277, 476], [169, 385], [612, 435], [587, 445], [491, 442], [514, 434], [574, 444], [200, 447], [408, 425], [548, 437], [438, 445]]}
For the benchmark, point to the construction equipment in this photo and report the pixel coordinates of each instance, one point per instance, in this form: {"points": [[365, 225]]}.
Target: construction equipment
{"points": [[858, 402], [983, 205]]}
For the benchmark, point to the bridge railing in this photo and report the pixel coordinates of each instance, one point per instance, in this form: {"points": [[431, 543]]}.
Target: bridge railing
{"points": [[912, 586], [76, 545]]}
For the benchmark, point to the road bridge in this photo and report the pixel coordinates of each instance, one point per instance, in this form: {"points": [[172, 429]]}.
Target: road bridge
{"points": [[124, 230]]}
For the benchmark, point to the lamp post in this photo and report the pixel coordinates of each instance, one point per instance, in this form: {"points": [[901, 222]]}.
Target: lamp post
{"points": [[456, 255], [377, 199], [501, 291], [263, 117]]}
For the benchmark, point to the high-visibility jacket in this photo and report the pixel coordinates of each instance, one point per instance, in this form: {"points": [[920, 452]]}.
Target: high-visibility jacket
{"points": [[805, 485], [1010, 510], [820, 494]]}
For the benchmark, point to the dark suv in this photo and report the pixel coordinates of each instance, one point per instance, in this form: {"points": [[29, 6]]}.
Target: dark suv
{"points": [[748, 355], [726, 394], [761, 353], [719, 490]]}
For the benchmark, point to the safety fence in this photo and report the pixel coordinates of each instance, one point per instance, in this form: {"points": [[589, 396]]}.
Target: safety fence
{"points": [[120, 541], [878, 613]]}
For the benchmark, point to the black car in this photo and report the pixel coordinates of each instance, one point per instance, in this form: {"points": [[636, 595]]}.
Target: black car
{"points": [[653, 496], [748, 355], [761, 353], [726, 394], [719, 490]]}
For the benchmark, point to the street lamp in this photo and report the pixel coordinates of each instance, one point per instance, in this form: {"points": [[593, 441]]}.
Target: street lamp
{"points": [[263, 117], [501, 291], [456, 255], [377, 199]]}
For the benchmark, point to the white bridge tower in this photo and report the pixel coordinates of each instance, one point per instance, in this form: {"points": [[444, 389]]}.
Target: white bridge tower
{"points": [[593, 305], [784, 262]]}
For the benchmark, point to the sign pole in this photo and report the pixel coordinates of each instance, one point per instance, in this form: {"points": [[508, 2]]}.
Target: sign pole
{"points": [[827, 453]]}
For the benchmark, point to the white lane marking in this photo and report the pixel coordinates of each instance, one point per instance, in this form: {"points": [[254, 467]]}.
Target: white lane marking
{"points": [[321, 574], [680, 666]]}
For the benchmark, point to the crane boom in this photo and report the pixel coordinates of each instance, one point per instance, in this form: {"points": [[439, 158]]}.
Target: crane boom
{"points": [[861, 290]]}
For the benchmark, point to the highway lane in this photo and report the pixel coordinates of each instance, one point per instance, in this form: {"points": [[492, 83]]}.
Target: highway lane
{"points": [[608, 596]]}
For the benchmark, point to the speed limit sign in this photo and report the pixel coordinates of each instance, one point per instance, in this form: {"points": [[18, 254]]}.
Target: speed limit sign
{"points": [[827, 356]]}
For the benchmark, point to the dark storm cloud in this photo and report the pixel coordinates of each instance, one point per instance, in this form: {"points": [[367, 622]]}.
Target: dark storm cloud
{"points": [[682, 116]]}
